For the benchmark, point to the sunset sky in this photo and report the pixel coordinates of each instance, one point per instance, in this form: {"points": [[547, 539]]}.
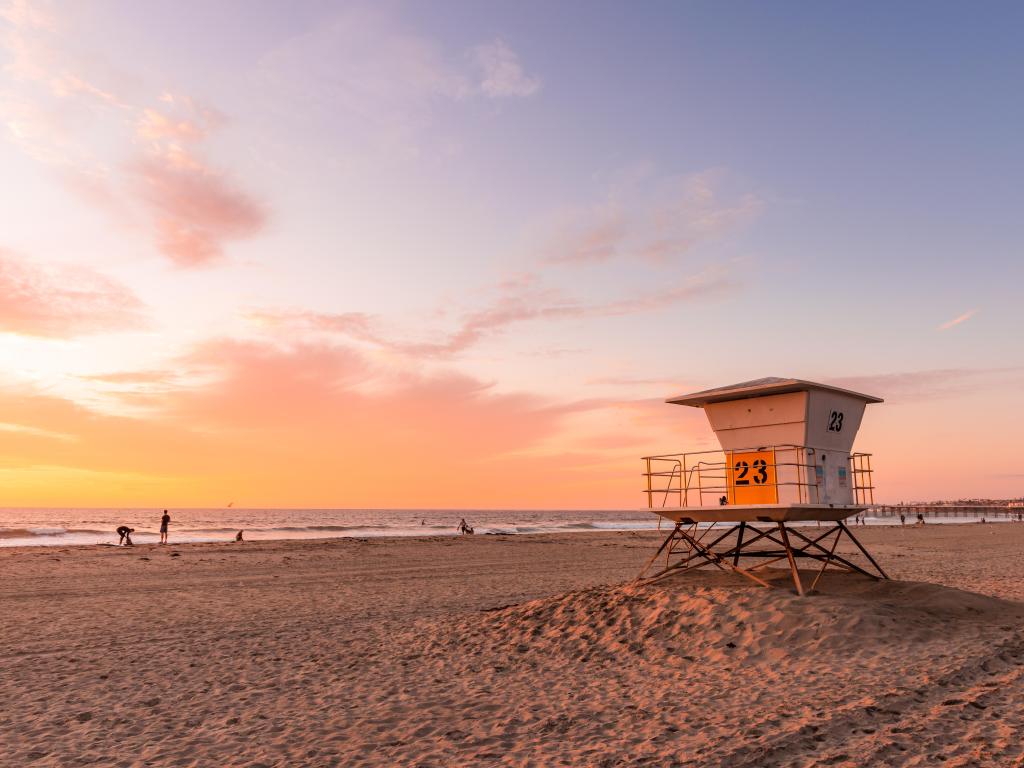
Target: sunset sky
{"points": [[456, 254]]}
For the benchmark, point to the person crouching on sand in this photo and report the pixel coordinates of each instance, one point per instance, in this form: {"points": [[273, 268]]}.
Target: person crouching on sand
{"points": [[238, 536], [126, 535], [164, 522]]}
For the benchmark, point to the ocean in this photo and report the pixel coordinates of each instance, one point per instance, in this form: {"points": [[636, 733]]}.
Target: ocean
{"points": [[61, 527]]}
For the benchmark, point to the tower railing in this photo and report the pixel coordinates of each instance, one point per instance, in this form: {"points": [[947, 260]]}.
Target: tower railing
{"points": [[863, 482], [760, 475]]}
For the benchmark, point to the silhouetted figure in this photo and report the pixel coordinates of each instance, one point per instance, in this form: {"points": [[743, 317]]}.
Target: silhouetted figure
{"points": [[238, 536], [903, 519], [126, 535], [464, 527], [723, 501], [164, 522]]}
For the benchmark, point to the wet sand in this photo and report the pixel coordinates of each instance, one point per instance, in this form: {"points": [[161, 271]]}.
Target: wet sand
{"points": [[510, 651]]}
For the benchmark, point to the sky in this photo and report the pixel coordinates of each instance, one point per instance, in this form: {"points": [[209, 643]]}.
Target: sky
{"points": [[457, 254]]}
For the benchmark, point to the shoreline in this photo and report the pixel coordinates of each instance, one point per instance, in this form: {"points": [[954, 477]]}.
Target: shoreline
{"points": [[254, 536]]}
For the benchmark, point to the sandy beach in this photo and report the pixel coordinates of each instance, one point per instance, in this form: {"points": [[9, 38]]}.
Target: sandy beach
{"points": [[508, 651]]}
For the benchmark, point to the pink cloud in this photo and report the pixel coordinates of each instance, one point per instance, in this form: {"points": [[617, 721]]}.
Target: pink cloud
{"points": [[502, 73], [148, 377], [959, 319], [520, 301], [25, 13], [917, 386], [589, 236], [313, 423], [145, 170], [666, 218], [179, 118], [357, 325], [155, 125], [195, 208], [61, 302]]}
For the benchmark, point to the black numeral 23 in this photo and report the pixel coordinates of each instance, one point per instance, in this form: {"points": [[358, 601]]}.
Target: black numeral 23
{"points": [[760, 472], [835, 421]]}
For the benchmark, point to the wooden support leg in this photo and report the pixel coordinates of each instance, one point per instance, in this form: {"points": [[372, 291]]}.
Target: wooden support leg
{"points": [[705, 547], [739, 545], [792, 560], [836, 557], [701, 556], [664, 544], [861, 548], [831, 552]]}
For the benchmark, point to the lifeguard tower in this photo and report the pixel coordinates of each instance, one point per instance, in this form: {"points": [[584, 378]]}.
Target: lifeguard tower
{"points": [[786, 456]]}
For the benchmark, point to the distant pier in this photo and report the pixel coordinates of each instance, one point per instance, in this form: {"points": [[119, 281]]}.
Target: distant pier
{"points": [[911, 511]]}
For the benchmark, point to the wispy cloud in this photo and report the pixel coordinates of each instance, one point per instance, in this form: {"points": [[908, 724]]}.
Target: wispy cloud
{"points": [[23, 429], [502, 72], [146, 167], [62, 301], [654, 219], [519, 300], [914, 386], [26, 13], [365, 63], [195, 208], [959, 319], [131, 378], [379, 82], [331, 411]]}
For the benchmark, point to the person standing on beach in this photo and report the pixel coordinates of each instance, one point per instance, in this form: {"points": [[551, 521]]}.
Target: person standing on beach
{"points": [[126, 535], [164, 522]]}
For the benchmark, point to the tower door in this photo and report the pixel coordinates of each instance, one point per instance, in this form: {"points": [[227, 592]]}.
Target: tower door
{"points": [[751, 477]]}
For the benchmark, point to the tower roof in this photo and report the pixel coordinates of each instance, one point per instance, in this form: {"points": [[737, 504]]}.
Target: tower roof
{"points": [[770, 385]]}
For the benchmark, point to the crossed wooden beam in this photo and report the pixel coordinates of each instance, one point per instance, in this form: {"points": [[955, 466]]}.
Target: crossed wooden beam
{"points": [[706, 546]]}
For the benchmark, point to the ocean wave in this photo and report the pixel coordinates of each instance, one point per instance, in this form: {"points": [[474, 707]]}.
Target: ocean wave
{"points": [[307, 528], [29, 533], [25, 533], [301, 528], [16, 533], [233, 529]]}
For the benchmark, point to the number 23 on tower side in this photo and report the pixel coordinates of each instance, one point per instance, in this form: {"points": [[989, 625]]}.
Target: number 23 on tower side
{"points": [[750, 477]]}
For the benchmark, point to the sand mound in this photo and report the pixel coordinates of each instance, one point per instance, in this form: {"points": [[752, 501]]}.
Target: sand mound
{"points": [[704, 671], [710, 619]]}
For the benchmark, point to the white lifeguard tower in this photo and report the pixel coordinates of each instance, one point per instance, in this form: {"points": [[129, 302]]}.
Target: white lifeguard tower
{"points": [[786, 456]]}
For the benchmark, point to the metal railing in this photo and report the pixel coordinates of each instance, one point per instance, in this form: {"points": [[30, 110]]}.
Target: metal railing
{"points": [[766, 474], [863, 480]]}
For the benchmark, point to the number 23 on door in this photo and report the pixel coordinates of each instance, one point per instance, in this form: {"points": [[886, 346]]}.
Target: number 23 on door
{"points": [[750, 477]]}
